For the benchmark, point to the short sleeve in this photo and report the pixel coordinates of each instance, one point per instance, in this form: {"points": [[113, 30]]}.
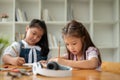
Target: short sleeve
{"points": [[10, 51], [65, 55], [91, 52]]}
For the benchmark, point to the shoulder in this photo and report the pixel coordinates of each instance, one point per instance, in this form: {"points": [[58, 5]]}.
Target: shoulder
{"points": [[91, 49], [92, 52], [9, 49], [15, 44]]}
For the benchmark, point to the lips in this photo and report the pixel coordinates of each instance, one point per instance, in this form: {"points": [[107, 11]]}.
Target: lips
{"points": [[32, 40], [73, 51]]}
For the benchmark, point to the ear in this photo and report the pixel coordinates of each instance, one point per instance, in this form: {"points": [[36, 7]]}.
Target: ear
{"points": [[27, 27]]}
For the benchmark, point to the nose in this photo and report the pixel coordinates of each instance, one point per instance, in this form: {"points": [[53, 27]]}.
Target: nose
{"points": [[35, 37], [71, 47]]}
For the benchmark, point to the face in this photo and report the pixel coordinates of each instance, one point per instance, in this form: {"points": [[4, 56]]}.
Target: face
{"points": [[33, 35], [73, 44]]}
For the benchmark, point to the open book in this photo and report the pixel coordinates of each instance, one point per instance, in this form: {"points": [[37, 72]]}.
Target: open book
{"points": [[50, 71]]}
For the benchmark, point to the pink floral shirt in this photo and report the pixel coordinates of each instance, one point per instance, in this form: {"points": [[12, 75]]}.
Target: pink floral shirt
{"points": [[90, 53]]}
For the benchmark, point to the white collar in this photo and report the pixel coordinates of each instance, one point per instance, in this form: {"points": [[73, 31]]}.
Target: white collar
{"points": [[26, 45]]}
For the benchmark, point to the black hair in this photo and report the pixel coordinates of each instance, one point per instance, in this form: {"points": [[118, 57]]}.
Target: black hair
{"points": [[43, 43]]}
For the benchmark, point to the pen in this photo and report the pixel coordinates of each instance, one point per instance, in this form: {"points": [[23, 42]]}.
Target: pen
{"points": [[15, 51]]}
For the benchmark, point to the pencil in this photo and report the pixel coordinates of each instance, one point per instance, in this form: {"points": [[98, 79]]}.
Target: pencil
{"points": [[59, 49], [15, 51]]}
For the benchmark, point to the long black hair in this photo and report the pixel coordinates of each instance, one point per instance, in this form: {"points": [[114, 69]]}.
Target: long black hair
{"points": [[77, 29], [43, 43]]}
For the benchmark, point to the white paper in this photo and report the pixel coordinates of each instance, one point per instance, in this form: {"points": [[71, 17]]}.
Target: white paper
{"points": [[37, 69]]}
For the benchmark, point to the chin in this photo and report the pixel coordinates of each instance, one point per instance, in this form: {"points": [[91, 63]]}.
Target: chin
{"points": [[75, 53], [31, 43]]}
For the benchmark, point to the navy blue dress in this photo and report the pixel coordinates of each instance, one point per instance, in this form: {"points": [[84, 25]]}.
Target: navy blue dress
{"points": [[24, 52]]}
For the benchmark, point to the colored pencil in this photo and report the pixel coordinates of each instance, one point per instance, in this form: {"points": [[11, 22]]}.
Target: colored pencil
{"points": [[15, 51]]}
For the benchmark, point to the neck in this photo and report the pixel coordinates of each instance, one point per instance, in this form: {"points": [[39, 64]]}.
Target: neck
{"points": [[78, 56]]}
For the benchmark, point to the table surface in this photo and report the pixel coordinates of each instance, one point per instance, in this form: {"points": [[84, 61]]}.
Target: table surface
{"points": [[76, 75]]}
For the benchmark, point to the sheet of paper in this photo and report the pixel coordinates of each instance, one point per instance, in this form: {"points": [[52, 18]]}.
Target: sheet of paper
{"points": [[28, 64]]}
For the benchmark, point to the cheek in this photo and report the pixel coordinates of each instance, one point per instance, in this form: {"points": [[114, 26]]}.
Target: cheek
{"points": [[27, 34], [38, 40], [79, 47], [68, 47]]}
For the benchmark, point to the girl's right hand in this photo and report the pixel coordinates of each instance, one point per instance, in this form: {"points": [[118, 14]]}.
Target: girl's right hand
{"points": [[18, 61]]}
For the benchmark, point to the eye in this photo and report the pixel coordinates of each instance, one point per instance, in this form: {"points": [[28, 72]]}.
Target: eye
{"points": [[67, 44], [33, 33], [74, 43]]}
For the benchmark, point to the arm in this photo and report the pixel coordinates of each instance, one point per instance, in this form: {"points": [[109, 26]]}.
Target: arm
{"points": [[84, 64], [10, 56], [91, 61], [8, 59]]}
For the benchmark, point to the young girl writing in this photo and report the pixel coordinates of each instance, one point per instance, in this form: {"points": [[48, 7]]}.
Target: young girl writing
{"points": [[34, 47], [82, 53]]}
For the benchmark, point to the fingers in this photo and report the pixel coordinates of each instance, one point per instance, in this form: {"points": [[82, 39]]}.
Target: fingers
{"points": [[53, 59], [44, 63], [20, 61]]}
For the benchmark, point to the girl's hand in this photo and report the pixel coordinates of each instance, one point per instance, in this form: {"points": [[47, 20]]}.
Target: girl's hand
{"points": [[53, 59], [44, 63], [18, 61], [58, 60]]}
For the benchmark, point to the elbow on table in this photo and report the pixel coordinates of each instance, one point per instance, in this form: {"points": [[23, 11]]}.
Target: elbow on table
{"points": [[93, 64]]}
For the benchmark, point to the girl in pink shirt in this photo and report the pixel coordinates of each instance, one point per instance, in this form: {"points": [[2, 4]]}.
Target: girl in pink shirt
{"points": [[81, 51]]}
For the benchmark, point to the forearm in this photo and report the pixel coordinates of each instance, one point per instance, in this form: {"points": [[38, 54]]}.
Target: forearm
{"points": [[63, 57], [7, 59], [84, 64]]}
